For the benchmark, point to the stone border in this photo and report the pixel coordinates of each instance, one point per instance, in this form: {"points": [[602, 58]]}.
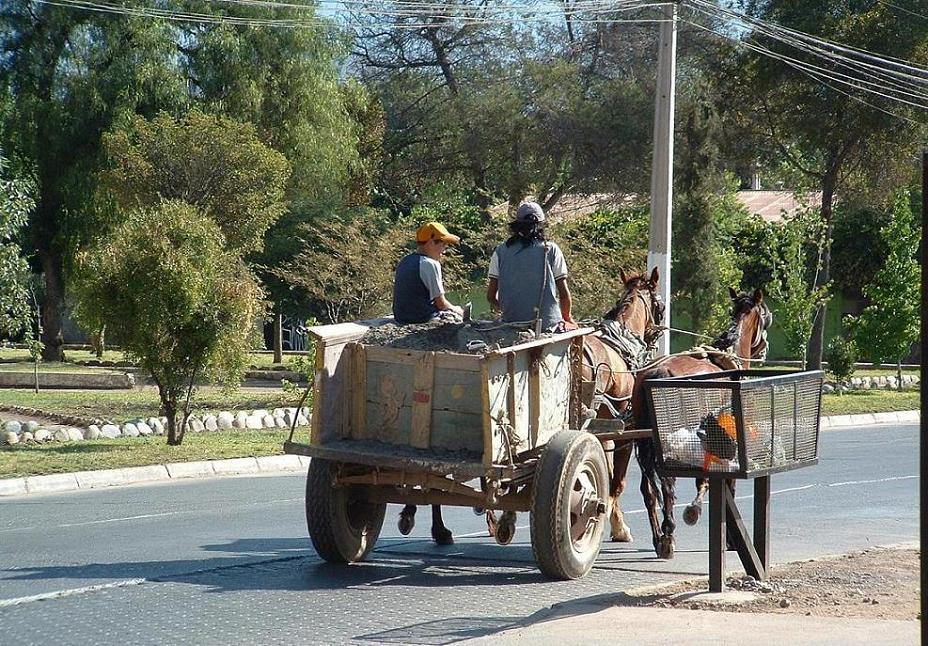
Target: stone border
{"points": [[17, 431], [60, 482]]}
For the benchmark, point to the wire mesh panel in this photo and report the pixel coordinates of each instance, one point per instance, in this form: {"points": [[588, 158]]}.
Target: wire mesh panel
{"points": [[739, 423]]}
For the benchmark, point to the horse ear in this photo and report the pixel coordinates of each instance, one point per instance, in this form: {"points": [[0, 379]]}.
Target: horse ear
{"points": [[758, 296], [655, 276], [732, 293], [622, 276]]}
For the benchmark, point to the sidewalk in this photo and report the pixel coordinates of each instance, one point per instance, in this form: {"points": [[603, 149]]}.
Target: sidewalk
{"points": [[271, 464], [594, 624]]}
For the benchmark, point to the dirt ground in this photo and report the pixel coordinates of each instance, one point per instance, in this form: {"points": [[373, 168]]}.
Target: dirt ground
{"points": [[448, 336], [879, 583]]}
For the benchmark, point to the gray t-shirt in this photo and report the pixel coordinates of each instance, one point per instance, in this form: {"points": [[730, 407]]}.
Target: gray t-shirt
{"points": [[527, 275]]}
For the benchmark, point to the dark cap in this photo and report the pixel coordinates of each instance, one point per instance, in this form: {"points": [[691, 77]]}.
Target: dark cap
{"points": [[530, 212]]}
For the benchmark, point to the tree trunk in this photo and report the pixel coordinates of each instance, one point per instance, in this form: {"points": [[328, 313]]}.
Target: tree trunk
{"points": [[899, 374], [175, 432], [279, 338], [817, 340], [52, 306]]}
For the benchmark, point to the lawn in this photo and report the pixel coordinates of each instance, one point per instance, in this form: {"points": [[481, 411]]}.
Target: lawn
{"points": [[55, 366], [55, 457], [122, 405], [17, 356], [870, 401]]}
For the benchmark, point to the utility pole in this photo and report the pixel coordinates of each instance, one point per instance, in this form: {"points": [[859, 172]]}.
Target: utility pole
{"points": [[662, 167]]}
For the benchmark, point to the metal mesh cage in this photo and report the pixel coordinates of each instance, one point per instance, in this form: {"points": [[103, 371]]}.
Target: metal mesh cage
{"points": [[739, 423]]}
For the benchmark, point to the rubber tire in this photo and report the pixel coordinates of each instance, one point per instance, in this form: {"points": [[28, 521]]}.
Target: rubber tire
{"points": [[336, 537], [550, 514]]}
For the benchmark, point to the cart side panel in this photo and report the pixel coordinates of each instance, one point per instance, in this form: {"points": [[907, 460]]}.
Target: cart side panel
{"points": [[452, 417], [529, 397], [331, 393], [554, 380]]}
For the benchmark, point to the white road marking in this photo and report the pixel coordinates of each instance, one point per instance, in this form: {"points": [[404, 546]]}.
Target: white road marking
{"points": [[59, 594], [855, 482]]}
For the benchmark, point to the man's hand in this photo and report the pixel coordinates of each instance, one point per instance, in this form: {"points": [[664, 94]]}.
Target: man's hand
{"points": [[570, 325]]}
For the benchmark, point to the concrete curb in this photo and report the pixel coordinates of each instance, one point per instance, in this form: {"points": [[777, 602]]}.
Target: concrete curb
{"points": [[59, 482]]}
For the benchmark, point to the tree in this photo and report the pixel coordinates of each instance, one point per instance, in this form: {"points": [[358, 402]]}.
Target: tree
{"points": [[73, 75], [797, 299], [185, 307], [887, 328], [210, 162], [841, 355], [838, 133], [15, 205], [69, 75]]}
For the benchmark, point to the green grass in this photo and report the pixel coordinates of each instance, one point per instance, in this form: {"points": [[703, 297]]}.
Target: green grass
{"points": [[54, 457], [140, 402], [54, 367], [870, 401], [257, 359]]}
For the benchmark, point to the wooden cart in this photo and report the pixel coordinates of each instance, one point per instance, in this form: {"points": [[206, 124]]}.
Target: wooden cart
{"points": [[495, 431]]}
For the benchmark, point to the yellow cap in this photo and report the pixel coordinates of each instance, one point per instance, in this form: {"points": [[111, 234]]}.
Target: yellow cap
{"points": [[435, 231]]}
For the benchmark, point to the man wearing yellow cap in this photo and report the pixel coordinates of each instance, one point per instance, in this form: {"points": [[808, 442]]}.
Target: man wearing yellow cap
{"points": [[418, 293]]}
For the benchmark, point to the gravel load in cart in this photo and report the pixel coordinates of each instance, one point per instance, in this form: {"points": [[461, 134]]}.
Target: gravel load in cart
{"points": [[492, 425]]}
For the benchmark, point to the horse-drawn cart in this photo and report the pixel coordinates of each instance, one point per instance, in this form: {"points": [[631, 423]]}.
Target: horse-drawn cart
{"points": [[496, 431]]}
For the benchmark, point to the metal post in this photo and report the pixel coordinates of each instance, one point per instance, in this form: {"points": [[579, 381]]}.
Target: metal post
{"points": [[923, 443], [662, 165], [279, 338]]}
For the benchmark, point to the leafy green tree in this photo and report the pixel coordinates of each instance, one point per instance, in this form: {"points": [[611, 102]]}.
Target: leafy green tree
{"points": [[887, 328], [841, 355], [211, 162], [797, 297], [15, 205], [838, 134], [70, 74], [177, 300]]}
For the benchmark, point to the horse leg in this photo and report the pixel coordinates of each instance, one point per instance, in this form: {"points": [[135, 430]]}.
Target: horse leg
{"points": [[693, 511], [666, 543], [492, 523], [620, 458], [407, 520], [649, 493], [440, 534]]}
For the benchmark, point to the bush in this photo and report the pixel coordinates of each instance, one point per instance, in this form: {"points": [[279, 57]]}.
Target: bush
{"points": [[176, 300], [841, 355]]}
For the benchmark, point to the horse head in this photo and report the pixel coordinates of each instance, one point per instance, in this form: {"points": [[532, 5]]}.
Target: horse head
{"points": [[640, 308], [750, 319]]}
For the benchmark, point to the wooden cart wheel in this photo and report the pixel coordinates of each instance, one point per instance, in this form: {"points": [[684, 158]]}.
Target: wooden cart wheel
{"points": [[569, 505], [342, 525]]}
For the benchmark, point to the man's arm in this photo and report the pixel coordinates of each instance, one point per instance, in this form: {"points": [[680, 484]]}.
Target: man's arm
{"points": [[442, 304], [564, 299], [493, 292]]}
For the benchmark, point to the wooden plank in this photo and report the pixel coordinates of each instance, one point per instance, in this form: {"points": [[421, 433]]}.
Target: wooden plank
{"points": [[536, 356], [358, 391], [545, 340], [487, 422], [315, 429], [742, 540], [511, 391], [345, 332], [422, 401], [333, 380], [402, 356], [762, 520], [717, 517]]}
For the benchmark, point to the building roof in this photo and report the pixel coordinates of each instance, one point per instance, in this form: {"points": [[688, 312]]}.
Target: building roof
{"points": [[773, 206]]}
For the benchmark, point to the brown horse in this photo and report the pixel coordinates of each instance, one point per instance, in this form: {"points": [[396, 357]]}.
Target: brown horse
{"points": [[745, 338], [638, 315]]}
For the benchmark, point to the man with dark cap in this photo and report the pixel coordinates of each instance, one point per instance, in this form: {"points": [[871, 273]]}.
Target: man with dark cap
{"points": [[418, 292], [528, 275]]}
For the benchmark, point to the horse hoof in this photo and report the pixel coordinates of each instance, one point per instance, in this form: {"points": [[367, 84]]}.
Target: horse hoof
{"points": [[624, 535], [478, 511], [506, 529], [443, 536], [406, 523], [691, 514], [665, 548]]}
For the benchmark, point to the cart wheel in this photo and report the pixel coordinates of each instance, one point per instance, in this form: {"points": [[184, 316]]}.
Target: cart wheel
{"points": [[568, 505], [506, 530], [342, 525]]}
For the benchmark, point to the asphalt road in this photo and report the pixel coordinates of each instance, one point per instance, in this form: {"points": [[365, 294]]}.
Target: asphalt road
{"points": [[228, 560]]}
